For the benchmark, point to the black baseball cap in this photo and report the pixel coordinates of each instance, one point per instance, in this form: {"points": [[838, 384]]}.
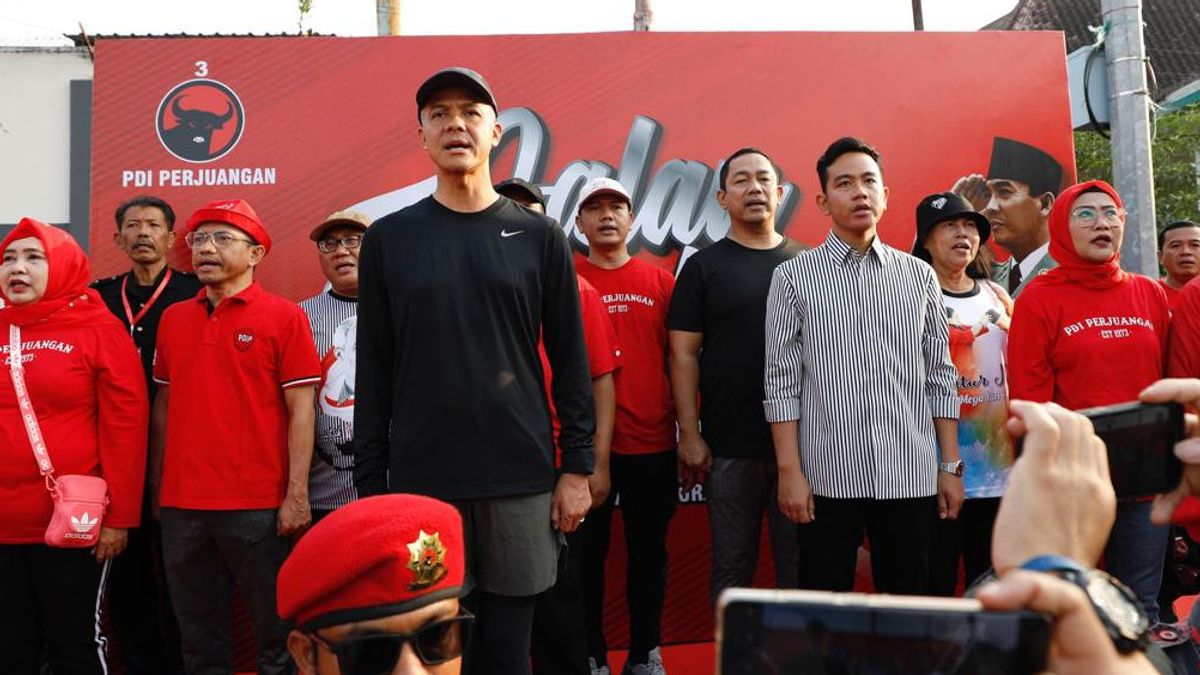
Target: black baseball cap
{"points": [[521, 190], [942, 206], [455, 77]]}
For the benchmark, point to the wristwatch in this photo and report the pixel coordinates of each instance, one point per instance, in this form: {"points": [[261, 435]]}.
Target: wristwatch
{"points": [[954, 468], [1116, 606]]}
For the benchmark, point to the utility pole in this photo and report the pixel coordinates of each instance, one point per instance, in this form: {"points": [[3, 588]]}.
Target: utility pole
{"points": [[918, 15], [387, 17], [1133, 165], [642, 15]]}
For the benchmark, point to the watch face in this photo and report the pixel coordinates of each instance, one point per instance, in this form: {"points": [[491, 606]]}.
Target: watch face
{"points": [[954, 468], [1118, 604]]}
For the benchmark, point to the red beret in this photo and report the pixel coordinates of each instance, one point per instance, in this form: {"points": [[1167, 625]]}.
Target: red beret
{"points": [[235, 212], [372, 558]]}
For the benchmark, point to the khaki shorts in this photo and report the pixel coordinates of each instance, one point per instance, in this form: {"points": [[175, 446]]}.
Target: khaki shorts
{"points": [[512, 549]]}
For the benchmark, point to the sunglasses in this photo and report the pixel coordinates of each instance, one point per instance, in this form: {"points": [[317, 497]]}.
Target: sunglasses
{"points": [[435, 643]]}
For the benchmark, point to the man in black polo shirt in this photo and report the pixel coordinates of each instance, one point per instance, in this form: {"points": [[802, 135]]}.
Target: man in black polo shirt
{"points": [[453, 293], [147, 635]]}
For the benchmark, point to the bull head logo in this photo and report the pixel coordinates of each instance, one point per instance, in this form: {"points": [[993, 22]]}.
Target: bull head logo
{"points": [[200, 120]]}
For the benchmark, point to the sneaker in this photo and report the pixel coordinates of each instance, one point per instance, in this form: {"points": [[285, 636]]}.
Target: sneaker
{"points": [[1169, 634], [652, 666], [597, 669], [655, 661]]}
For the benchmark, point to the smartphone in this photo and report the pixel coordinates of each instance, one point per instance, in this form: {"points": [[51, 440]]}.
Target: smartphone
{"points": [[770, 631], [1141, 439]]}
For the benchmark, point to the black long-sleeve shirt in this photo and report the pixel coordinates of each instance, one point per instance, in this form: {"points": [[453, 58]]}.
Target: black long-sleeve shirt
{"points": [[449, 398]]}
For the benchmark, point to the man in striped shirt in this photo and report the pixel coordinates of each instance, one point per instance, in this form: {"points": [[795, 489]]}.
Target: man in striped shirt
{"points": [[860, 391], [333, 317]]}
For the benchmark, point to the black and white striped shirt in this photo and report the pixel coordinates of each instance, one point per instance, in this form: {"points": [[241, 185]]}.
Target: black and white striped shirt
{"points": [[334, 322], [857, 352]]}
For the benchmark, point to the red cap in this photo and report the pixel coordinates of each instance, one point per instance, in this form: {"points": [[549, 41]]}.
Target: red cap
{"points": [[375, 557], [235, 212]]}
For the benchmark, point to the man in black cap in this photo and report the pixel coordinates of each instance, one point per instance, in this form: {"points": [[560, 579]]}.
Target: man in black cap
{"points": [[1016, 198], [453, 293], [560, 641], [147, 634], [523, 192]]}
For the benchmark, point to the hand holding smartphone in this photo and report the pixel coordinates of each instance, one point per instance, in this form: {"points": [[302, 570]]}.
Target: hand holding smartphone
{"points": [[763, 631], [1140, 438]]}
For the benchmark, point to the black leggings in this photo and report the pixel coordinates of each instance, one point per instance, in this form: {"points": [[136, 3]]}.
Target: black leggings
{"points": [[50, 603], [502, 633], [560, 642]]}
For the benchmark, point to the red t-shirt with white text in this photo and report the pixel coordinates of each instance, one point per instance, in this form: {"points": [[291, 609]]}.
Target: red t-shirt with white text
{"points": [[637, 295], [1083, 348], [89, 394]]}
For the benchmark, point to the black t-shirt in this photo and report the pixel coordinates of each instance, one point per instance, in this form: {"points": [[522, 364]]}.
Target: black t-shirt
{"points": [[181, 286], [722, 292], [449, 399]]}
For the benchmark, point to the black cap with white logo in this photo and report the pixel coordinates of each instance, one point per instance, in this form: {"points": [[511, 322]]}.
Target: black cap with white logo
{"points": [[943, 206]]}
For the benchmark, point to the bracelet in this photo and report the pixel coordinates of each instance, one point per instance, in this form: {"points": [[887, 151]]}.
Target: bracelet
{"points": [[1053, 563]]}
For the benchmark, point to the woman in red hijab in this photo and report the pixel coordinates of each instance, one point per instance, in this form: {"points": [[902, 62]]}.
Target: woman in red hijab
{"points": [[85, 382], [1087, 334]]}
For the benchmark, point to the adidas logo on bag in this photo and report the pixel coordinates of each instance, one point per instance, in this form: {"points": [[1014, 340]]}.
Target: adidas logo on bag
{"points": [[82, 524]]}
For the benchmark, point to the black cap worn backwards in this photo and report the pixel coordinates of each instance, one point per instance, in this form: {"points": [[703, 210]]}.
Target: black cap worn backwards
{"points": [[455, 77], [521, 190], [1015, 160]]}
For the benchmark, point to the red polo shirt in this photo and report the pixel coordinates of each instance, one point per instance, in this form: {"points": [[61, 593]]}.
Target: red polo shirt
{"points": [[227, 422]]}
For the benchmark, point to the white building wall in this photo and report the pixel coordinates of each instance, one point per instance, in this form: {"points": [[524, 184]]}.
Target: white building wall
{"points": [[35, 130]]}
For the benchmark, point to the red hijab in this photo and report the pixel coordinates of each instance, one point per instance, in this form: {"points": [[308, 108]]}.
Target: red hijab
{"points": [[1072, 268], [66, 285]]}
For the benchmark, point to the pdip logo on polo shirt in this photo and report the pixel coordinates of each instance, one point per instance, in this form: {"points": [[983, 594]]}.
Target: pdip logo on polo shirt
{"points": [[200, 120], [427, 560], [243, 339]]}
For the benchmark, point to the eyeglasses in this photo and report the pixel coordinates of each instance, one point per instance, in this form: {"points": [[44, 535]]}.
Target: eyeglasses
{"points": [[219, 239], [329, 245], [1090, 215], [435, 643]]}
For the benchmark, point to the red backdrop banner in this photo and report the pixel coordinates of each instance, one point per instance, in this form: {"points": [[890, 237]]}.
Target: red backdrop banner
{"points": [[302, 127]]}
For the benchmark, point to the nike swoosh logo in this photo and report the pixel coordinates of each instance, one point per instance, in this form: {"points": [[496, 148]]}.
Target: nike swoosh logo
{"points": [[506, 233]]}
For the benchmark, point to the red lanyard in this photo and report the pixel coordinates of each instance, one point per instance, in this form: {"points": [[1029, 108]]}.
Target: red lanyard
{"points": [[133, 320]]}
